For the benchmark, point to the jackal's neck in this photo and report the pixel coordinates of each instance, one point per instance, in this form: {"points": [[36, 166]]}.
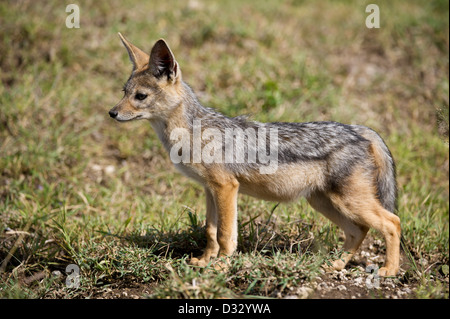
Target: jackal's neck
{"points": [[182, 116], [193, 109]]}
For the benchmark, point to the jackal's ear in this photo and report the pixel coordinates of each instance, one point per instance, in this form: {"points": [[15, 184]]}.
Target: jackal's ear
{"points": [[162, 61], [138, 57]]}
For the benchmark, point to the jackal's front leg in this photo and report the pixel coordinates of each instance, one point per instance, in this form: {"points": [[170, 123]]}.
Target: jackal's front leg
{"points": [[221, 231], [226, 204], [212, 247]]}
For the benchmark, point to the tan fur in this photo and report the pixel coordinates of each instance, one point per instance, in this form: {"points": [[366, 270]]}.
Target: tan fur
{"points": [[378, 159], [288, 183]]}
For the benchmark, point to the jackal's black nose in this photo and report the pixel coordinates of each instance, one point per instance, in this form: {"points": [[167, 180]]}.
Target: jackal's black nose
{"points": [[113, 114]]}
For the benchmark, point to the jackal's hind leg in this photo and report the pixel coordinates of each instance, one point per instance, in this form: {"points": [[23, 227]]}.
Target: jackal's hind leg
{"points": [[354, 233]]}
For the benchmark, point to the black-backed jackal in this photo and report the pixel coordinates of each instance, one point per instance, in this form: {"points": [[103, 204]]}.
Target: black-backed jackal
{"points": [[346, 172]]}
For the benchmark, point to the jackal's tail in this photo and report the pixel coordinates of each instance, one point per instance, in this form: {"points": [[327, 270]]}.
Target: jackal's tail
{"points": [[386, 175]]}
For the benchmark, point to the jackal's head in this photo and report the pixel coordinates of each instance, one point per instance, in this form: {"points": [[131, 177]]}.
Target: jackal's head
{"points": [[152, 91]]}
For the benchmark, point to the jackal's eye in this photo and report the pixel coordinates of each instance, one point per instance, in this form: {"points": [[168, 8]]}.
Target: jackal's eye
{"points": [[140, 96]]}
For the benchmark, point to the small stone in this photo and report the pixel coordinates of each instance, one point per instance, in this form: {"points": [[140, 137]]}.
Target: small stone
{"points": [[96, 167], [359, 281], [304, 292], [322, 286], [110, 169], [341, 288]]}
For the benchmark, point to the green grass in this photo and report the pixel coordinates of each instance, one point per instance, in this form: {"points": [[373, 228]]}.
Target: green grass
{"points": [[78, 188]]}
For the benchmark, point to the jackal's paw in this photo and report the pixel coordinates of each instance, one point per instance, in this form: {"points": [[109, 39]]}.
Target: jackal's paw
{"points": [[199, 262], [336, 265], [386, 272]]}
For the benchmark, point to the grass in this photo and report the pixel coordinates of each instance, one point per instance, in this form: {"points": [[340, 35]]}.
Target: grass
{"points": [[79, 188]]}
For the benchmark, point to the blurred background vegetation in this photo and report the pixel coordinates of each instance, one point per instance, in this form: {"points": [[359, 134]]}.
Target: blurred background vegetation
{"points": [[70, 176]]}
